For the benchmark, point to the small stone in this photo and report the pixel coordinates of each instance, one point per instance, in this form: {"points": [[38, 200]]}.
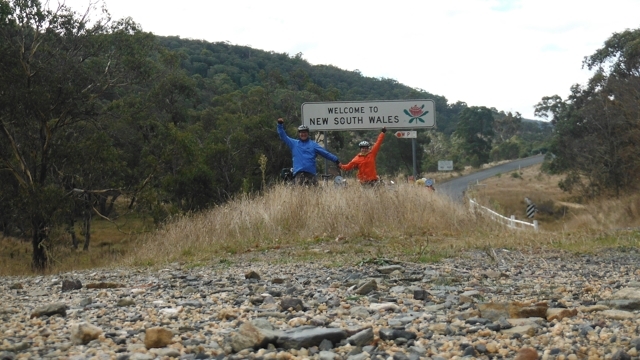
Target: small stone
{"points": [[390, 268], [291, 303], [68, 285], [526, 354], [157, 337], [82, 333], [252, 275], [125, 302], [50, 310], [104, 285], [367, 287]]}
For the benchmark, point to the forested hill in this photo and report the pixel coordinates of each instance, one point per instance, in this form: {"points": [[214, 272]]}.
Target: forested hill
{"points": [[231, 73], [243, 66]]}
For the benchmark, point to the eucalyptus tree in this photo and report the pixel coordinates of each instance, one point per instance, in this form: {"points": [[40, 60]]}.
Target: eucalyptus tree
{"points": [[597, 128], [474, 133], [57, 70]]}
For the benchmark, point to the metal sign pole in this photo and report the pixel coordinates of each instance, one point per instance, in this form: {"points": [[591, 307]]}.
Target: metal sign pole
{"points": [[413, 150], [326, 163]]}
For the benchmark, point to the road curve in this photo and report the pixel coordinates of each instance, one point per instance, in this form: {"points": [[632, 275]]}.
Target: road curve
{"points": [[455, 188]]}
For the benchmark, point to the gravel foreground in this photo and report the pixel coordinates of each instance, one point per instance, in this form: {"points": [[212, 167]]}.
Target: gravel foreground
{"points": [[496, 304]]}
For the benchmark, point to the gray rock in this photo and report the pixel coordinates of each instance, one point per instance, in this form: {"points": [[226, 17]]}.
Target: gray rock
{"points": [[361, 338], [293, 303], [191, 303], [125, 302], [400, 356], [392, 334], [367, 287], [359, 312], [361, 356], [6, 355], [51, 309], [327, 355], [250, 336], [308, 337], [621, 355], [325, 345], [420, 294], [73, 284], [622, 304], [390, 268]]}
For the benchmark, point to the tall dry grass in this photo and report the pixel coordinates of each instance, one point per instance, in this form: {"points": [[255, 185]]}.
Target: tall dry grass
{"points": [[347, 226], [607, 214], [406, 221]]}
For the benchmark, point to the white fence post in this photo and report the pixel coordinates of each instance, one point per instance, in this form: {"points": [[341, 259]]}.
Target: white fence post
{"points": [[512, 222], [535, 225]]}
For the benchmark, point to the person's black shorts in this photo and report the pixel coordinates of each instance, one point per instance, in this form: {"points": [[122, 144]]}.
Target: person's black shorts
{"points": [[305, 179], [371, 183]]}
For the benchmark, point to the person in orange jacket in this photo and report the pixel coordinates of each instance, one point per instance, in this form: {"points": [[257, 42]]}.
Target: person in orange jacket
{"points": [[365, 161]]}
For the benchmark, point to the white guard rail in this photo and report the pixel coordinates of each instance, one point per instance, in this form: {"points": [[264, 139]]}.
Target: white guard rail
{"points": [[510, 222]]}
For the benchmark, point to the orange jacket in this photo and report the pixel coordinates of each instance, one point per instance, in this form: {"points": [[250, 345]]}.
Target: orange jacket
{"points": [[366, 164]]}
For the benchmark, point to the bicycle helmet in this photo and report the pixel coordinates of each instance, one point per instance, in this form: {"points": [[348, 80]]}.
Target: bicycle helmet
{"points": [[303, 128], [429, 182], [364, 144]]}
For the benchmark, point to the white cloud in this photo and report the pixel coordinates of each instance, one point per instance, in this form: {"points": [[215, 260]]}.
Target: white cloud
{"points": [[497, 53]]}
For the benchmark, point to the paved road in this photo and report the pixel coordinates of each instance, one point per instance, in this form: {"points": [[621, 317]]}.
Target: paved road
{"points": [[455, 187]]}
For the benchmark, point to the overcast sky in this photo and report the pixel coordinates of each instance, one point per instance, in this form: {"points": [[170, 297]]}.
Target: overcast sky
{"points": [[506, 54]]}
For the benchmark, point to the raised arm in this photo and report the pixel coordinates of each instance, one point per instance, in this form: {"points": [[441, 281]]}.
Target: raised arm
{"points": [[283, 135], [376, 146]]}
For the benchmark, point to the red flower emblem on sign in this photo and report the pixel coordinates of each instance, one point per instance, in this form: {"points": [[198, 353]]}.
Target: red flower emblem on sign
{"points": [[415, 111]]}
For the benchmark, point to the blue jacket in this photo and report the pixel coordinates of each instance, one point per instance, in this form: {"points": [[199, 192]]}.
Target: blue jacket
{"points": [[304, 152]]}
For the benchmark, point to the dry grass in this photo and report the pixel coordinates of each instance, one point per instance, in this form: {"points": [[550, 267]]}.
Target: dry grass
{"points": [[109, 242], [352, 225], [557, 211], [288, 218], [334, 225]]}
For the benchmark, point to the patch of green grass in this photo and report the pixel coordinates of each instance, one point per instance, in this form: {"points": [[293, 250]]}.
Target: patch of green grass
{"points": [[591, 245], [375, 261], [187, 253], [430, 258], [194, 265]]}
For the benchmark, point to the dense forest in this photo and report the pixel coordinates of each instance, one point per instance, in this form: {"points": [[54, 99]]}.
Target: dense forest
{"points": [[92, 112]]}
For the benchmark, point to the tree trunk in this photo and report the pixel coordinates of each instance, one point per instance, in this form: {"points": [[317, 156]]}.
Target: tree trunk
{"points": [[40, 236], [71, 230], [111, 204], [87, 222]]}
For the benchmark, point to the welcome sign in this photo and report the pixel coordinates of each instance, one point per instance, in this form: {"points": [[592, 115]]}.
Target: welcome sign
{"points": [[368, 115]]}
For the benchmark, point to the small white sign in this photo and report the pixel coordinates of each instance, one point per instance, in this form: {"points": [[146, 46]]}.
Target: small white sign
{"points": [[406, 134], [445, 165], [369, 115]]}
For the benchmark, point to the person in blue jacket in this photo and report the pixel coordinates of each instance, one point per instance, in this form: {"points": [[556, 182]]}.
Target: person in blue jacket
{"points": [[304, 152]]}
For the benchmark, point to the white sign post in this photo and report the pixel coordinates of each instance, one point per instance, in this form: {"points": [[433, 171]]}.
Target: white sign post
{"points": [[406, 134], [369, 115]]}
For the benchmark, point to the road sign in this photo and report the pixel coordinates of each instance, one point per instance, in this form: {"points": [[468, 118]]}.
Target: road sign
{"points": [[445, 165], [369, 115], [406, 134], [531, 210]]}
